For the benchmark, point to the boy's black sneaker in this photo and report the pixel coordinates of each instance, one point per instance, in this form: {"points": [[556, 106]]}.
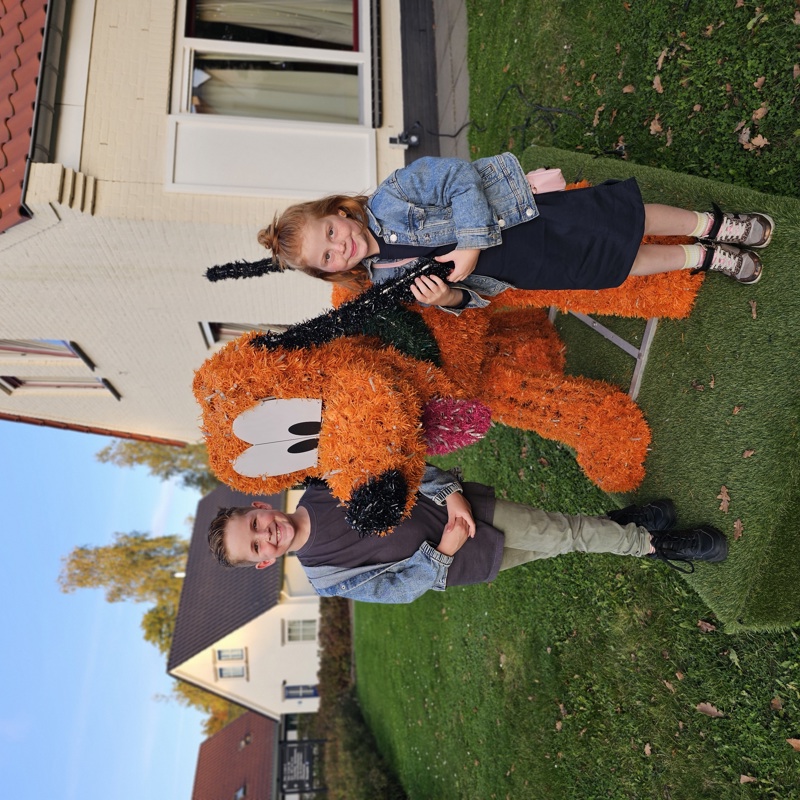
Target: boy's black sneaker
{"points": [[705, 543], [659, 515]]}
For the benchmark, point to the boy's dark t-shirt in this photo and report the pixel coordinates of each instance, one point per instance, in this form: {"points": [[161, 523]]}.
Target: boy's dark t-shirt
{"points": [[332, 542]]}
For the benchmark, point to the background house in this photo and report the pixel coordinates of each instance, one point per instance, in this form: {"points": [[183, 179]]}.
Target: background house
{"points": [[240, 761], [247, 635], [149, 139]]}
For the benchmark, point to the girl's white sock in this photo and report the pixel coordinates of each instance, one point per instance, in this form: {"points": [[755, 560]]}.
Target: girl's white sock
{"points": [[704, 223], [693, 254]]}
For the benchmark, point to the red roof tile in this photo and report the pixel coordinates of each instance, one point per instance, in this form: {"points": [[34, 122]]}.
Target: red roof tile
{"points": [[21, 41]]}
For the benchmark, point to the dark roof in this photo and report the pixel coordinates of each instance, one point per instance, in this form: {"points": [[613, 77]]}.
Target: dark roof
{"points": [[216, 600], [22, 25], [225, 764]]}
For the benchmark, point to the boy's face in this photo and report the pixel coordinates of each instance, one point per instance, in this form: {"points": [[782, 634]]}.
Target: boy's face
{"points": [[259, 537]]}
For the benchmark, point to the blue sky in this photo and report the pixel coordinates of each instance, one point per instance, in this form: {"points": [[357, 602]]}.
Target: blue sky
{"points": [[83, 714]]}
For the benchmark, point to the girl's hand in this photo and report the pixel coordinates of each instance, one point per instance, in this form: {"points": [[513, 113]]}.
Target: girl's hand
{"points": [[434, 291], [465, 262]]}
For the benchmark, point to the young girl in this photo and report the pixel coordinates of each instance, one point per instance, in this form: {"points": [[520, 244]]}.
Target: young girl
{"points": [[483, 217]]}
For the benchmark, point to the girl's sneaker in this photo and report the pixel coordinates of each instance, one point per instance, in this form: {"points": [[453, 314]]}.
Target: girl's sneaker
{"points": [[741, 265], [742, 230]]}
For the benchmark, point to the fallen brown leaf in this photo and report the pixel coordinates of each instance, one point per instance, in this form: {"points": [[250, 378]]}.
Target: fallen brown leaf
{"points": [[679, 675], [736, 410], [708, 30], [657, 84], [648, 749], [726, 499], [776, 704], [759, 83], [697, 385], [797, 17], [655, 126], [629, 89], [697, 107], [669, 686], [709, 710], [598, 111], [558, 724], [738, 529], [744, 137], [795, 743], [669, 136], [796, 71], [759, 141], [507, 67], [739, 126], [753, 305], [706, 627], [739, 3], [711, 382], [760, 113], [660, 62], [544, 462], [748, 453], [747, 779]]}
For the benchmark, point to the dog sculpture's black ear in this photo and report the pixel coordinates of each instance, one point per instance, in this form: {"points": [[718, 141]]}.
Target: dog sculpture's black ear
{"points": [[377, 506], [242, 269], [366, 313]]}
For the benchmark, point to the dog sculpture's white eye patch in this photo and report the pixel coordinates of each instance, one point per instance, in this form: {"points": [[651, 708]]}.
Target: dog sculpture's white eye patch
{"points": [[284, 435]]}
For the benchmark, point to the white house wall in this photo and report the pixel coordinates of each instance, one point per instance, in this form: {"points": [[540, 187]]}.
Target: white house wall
{"points": [[115, 262], [272, 663]]}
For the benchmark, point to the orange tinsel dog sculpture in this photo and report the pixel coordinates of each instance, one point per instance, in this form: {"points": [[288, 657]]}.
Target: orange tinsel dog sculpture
{"points": [[347, 404]]}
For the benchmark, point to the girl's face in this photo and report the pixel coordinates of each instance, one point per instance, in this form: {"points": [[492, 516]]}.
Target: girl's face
{"points": [[336, 244]]}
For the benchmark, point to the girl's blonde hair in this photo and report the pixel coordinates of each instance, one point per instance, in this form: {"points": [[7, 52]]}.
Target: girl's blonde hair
{"points": [[284, 237]]}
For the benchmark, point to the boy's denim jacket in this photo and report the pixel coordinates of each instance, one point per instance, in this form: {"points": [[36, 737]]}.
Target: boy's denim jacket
{"points": [[439, 201], [402, 581]]}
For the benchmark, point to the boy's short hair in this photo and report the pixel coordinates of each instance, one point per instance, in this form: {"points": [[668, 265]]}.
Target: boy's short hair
{"points": [[216, 535]]}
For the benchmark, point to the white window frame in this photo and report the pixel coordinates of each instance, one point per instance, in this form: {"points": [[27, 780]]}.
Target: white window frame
{"points": [[181, 117], [233, 330], [300, 691], [301, 630], [232, 671], [35, 349], [230, 654]]}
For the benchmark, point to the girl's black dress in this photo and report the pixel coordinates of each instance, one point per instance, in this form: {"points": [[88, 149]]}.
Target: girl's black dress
{"points": [[582, 239]]}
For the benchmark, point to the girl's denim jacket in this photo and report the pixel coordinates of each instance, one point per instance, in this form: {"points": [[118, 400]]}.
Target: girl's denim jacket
{"points": [[402, 581], [439, 201]]}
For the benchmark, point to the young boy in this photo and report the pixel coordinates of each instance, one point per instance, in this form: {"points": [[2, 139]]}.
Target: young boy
{"points": [[460, 535]]}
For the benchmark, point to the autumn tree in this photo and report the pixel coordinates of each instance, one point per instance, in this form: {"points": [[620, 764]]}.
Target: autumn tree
{"points": [[135, 567], [189, 463], [142, 568]]}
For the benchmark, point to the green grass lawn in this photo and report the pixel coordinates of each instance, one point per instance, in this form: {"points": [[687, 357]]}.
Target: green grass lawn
{"points": [[721, 394], [586, 75], [581, 677]]}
